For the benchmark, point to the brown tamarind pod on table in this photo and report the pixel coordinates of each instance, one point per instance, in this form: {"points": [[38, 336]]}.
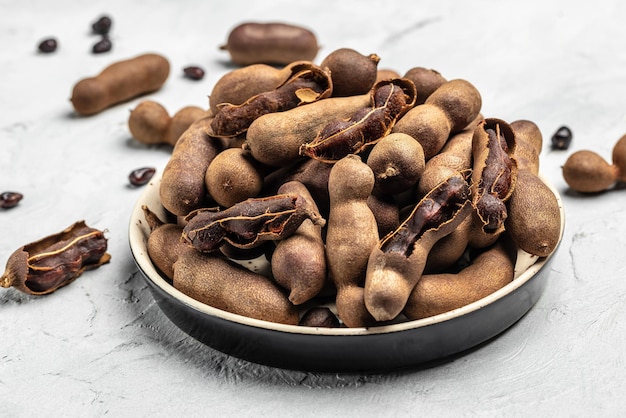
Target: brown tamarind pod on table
{"points": [[396, 264], [351, 234]]}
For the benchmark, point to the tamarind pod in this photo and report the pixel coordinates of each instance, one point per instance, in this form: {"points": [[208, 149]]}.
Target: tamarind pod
{"points": [[275, 138], [438, 293], [426, 82], [248, 223], [351, 234], [619, 158], [494, 173], [182, 187], [448, 251], [528, 144], [460, 100], [119, 82], [299, 261], [164, 243], [396, 264], [390, 99], [306, 84], [182, 120], [352, 72], [222, 284], [429, 125]]}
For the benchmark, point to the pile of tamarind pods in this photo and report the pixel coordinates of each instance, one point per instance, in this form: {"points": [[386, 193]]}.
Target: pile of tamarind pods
{"points": [[390, 195]]}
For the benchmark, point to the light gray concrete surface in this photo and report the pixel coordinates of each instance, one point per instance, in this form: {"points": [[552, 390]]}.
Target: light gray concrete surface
{"points": [[101, 346]]}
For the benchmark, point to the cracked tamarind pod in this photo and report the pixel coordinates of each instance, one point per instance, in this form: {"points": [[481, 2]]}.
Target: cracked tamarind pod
{"points": [[306, 84], [45, 265], [448, 110], [397, 262], [534, 221], [494, 175], [435, 294], [351, 234], [248, 223], [390, 99]]}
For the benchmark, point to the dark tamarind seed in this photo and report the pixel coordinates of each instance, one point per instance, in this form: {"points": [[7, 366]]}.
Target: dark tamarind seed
{"points": [[562, 138], [193, 72], [103, 45], [48, 45], [10, 199], [102, 26], [141, 176], [320, 317]]}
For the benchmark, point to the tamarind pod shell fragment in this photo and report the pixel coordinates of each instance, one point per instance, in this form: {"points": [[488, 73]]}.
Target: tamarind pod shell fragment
{"points": [[438, 293], [396, 264], [43, 266], [119, 82], [222, 284]]}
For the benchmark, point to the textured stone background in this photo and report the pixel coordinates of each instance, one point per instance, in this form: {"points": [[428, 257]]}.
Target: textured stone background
{"points": [[102, 347]]}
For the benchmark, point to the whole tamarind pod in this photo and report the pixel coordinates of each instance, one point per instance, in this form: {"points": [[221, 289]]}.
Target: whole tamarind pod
{"points": [[314, 175], [222, 284], [534, 221], [460, 100], [397, 262], [299, 261], [164, 243], [397, 161], [455, 156], [426, 82], [438, 293], [249, 223], [275, 139], [238, 85], [352, 72], [351, 234], [619, 158], [390, 100], [43, 266], [150, 123], [119, 82], [493, 178], [587, 172], [306, 84], [270, 43], [385, 210], [182, 187], [528, 144], [233, 176]]}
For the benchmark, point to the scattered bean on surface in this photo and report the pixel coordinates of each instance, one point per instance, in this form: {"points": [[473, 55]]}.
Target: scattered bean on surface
{"points": [[193, 72], [48, 45], [562, 138], [141, 176], [103, 45], [10, 199], [102, 26]]}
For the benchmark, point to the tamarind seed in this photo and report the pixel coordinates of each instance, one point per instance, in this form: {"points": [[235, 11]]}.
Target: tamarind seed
{"points": [[102, 26], [141, 176], [562, 138], [194, 72], [319, 317], [10, 199], [48, 45], [103, 45]]}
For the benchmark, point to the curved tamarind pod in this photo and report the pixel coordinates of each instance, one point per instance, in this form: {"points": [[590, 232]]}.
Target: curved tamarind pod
{"points": [[396, 264], [299, 261], [438, 293], [275, 139], [390, 100], [307, 83], [493, 178], [222, 284], [351, 234]]}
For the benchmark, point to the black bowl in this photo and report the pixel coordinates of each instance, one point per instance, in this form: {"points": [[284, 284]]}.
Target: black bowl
{"points": [[402, 345]]}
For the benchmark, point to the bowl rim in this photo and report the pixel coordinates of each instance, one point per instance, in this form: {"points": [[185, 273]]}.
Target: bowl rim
{"points": [[527, 266]]}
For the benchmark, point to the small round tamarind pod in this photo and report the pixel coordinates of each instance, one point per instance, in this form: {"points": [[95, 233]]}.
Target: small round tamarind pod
{"points": [[587, 172], [397, 161], [449, 249], [299, 261], [426, 81], [182, 187], [119, 82], [428, 125], [619, 158], [534, 221], [164, 243], [222, 284], [238, 85], [438, 293], [275, 139], [387, 74], [351, 234], [460, 100], [150, 123], [233, 176], [396, 264], [352, 72], [270, 43], [529, 142]]}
